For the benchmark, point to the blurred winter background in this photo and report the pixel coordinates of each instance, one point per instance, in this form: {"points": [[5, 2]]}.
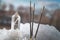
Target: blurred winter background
{"points": [[50, 22]]}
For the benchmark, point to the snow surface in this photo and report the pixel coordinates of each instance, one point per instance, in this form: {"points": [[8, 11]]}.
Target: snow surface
{"points": [[45, 32]]}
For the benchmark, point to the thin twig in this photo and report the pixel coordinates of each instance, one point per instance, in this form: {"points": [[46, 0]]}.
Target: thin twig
{"points": [[30, 22], [39, 22], [33, 18]]}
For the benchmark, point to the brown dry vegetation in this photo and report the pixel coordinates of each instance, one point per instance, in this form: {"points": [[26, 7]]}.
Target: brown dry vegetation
{"points": [[55, 20]]}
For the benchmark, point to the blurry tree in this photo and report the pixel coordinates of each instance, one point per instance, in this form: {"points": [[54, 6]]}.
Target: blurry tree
{"points": [[0, 4], [55, 20], [58, 19], [51, 19], [4, 6], [20, 10], [11, 7]]}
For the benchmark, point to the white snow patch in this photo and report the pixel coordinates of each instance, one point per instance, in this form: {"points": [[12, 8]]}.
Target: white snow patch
{"points": [[45, 32]]}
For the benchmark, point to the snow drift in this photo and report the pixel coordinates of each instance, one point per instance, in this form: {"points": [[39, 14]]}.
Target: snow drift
{"points": [[45, 32]]}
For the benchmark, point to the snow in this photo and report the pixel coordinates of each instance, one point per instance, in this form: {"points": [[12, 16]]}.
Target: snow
{"points": [[45, 32]]}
